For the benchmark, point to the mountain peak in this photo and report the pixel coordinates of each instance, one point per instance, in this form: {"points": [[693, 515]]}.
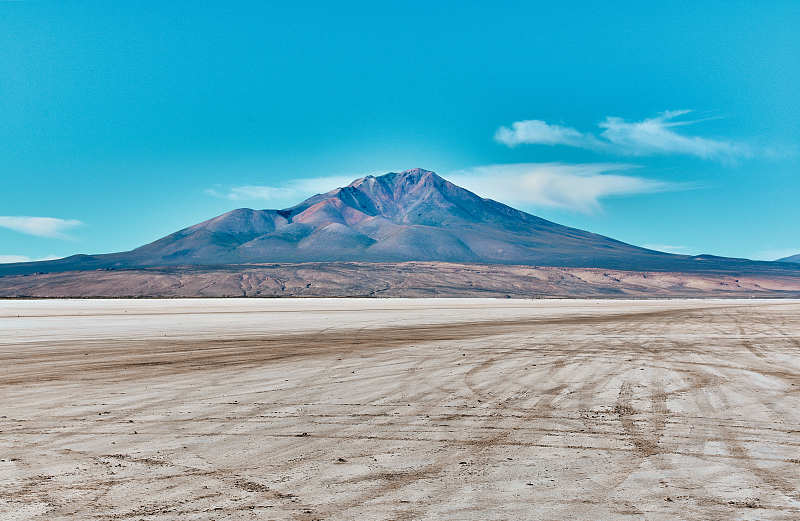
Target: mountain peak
{"points": [[418, 172], [411, 176]]}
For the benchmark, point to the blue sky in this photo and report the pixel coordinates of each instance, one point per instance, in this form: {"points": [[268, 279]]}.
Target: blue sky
{"points": [[674, 126]]}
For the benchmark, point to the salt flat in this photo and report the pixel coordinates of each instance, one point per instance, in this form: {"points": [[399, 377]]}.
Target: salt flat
{"points": [[206, 409]]}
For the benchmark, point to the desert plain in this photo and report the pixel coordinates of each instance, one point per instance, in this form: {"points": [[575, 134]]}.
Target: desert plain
{"points": [[215, 409]]}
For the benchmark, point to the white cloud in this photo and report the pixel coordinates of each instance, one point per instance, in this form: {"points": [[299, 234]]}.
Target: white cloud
{"points": [[541, 133], [290, 192], [578, 187], [653, 136], [39, 226], [7, 259], [252, 192], [681, 250]]}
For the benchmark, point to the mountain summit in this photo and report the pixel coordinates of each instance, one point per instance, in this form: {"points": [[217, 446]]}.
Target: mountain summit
{"points": [[413, 215]]}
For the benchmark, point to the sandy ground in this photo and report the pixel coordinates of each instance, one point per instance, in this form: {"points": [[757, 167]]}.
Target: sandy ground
{"points": [[399, 409], [405, 280]]}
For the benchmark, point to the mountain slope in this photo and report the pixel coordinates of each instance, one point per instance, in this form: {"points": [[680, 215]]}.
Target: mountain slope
{"points": [[397, 217], [791, 258]]}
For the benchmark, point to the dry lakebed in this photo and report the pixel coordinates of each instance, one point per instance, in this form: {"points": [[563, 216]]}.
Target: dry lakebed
{"points": [[215, 409]]}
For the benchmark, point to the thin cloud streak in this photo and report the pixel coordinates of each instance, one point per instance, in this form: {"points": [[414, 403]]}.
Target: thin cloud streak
{"points": [[652, 136], [680, 250], [252, 192], [290, 192], [51, 227], [9, 259], [577, 187]]}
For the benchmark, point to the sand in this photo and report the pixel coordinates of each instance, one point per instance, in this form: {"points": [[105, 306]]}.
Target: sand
{"points": [[399, 409], [406, 280]]}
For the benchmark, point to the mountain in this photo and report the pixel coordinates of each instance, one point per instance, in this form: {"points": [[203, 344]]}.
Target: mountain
{"points": [[412, 215], [409, 216], [791, 258]]}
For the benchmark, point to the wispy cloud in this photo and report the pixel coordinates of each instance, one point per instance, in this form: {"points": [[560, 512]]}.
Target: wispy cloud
{"points": [[652, 136], [7, 259], [681, 250], [291, 191], [536, 131], [39, 226], [579, 187], [252, 193]]}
